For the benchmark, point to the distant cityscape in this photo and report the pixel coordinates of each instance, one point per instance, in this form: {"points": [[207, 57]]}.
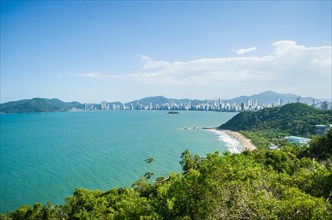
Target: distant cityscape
{"points": [[211, 105]]}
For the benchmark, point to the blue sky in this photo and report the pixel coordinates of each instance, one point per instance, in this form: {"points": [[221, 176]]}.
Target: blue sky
{"points": [[100, 50]]}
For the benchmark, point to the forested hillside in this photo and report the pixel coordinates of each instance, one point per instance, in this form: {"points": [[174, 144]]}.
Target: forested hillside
{"points": [[291, 119], [260, 184], [38, 105]]}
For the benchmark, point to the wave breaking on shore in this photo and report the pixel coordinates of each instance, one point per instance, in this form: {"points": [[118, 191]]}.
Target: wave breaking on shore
{"points": [[233, 144], [234, 141]]}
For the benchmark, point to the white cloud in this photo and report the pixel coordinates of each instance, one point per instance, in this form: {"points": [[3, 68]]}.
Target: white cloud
{"points": [[287, 61], [288, 65], [96, 75], [243, 51], [90, 75], [149, 63]]}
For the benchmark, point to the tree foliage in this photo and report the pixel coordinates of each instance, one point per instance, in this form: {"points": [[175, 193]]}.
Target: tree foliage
{"points": [[321, 147], [291, 119], [38, 105]]}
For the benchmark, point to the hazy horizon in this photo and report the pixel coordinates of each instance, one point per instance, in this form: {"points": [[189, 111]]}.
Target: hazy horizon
{"points": [[122, 51], [208, 98]]}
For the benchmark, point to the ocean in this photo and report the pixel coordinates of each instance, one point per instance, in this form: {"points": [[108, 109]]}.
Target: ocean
{"points": [[45, 156]]}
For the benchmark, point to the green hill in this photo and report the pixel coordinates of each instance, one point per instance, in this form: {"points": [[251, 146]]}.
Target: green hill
{"points": [[38, 105], [293, 119]]}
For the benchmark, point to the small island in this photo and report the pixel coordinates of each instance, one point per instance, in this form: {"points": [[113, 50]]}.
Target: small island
{"points": [[173, 112]]}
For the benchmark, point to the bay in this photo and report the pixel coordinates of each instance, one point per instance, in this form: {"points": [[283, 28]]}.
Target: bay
{"points": [[45, 156]]}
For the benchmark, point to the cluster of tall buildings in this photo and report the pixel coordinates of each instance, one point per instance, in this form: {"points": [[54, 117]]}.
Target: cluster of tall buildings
{"points": [[215, 105]]}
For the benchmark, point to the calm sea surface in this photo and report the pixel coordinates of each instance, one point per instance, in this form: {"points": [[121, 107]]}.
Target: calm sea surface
{"points": [[44, 157]]}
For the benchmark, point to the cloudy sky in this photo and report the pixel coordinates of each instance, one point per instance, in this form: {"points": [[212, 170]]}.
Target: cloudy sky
{"points": [[92, 51]]}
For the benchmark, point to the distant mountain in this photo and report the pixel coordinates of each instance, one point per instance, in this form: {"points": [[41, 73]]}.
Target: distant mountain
{"points": [[53, 105], [270, 97], [38, 105], [157, 100], [294, 119], [264, 98]]}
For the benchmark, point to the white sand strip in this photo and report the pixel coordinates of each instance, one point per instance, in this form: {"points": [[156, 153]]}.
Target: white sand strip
{"points": [[235, 142]]}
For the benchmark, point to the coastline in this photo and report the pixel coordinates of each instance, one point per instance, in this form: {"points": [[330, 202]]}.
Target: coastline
{"points": [[241, 138], [235, 141]]}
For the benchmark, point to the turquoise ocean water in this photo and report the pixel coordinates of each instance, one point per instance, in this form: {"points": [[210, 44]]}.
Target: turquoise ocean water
{"points": [[45, 156]]}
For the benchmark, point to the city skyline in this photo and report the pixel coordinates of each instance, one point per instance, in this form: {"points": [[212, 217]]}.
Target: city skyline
{"points": [[107, 100], [200, 105], [91, 51], [248, 103]]}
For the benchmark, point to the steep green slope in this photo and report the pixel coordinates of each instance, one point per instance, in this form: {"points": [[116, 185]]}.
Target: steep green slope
{"points": [[38, 105], [294, 119]]}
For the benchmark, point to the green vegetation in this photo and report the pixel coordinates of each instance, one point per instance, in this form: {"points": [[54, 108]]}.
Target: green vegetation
{"points": [[258, 184], [272, 124], [38, 105], [320, 147], [293, 119]]}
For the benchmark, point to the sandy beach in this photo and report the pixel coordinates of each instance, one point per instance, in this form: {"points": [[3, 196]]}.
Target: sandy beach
{"points": [[236, 143], [242, 139]]}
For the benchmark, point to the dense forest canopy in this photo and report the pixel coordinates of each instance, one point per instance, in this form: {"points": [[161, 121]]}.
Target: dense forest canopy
{"points": [[292, 119], [38, 105]]}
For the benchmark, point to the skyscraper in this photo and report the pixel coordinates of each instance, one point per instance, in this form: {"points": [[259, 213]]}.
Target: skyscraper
{"points": [[103, 105], [243, 106], [249, 103], [255, 103]]}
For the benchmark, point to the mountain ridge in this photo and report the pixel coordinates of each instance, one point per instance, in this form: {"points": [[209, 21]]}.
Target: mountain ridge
{"points": [[54, 104], [38, 105]]}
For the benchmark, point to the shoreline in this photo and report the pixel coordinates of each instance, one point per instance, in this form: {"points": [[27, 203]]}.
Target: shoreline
{"points": [[241, 142], [246, 142]]}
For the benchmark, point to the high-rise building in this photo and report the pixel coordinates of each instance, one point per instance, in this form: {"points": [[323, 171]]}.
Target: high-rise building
{"points": [[249, 103], [281, 102], [103, 105], [243, 106], [255, 105]]}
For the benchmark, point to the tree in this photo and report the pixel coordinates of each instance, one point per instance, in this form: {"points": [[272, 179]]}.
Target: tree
{"points": [[189, 161]]}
